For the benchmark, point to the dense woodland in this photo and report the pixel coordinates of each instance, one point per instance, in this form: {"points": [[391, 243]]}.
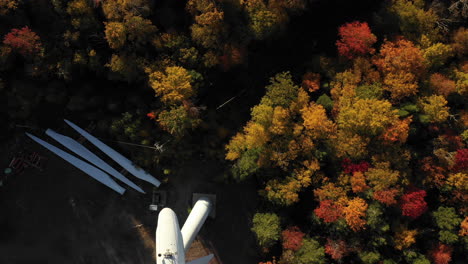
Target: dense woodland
{"points": [[357, 134]]}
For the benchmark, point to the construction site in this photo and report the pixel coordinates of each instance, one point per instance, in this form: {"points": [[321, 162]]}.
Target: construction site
{"points": [[55, 213]]}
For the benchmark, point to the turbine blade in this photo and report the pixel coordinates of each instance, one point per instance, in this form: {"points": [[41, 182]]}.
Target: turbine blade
{"points": [[92, 171], [203, 260], [117, 157], [82, 151]]}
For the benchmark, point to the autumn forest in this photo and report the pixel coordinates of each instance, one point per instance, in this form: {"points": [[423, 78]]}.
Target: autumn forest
{"points": [[349, 116]]}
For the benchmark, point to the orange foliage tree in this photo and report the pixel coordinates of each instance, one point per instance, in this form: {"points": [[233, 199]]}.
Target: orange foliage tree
{"points": [[460, 42], [464, 227], [441, 84], [398, 132], [329, 211], [292, 238], [355, 214], [358, 182], [441, 254], [436, 174], [311, 81], [337, 249], [402, 64], [386, 197]]}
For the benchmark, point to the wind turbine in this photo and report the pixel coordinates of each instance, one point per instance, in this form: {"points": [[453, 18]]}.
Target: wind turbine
{"points": [[172, 242]]}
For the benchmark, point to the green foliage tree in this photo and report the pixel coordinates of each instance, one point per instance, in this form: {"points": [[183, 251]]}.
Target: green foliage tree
{"points": [[448, 221], [311, 252], [369, 257], [267, 228], [414, 20], [325, 101], [177, 121], [263, 21], [281, 91], [128, 125], [209, 28]]}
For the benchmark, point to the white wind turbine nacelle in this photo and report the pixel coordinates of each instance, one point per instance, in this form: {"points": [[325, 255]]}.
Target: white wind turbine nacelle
{"points": [[171, 242]]}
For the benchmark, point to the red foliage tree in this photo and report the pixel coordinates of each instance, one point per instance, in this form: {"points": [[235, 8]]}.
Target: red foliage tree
{"points": [[25, 41], [336, 249], [349, 167], [461, 160], [441, 254], [413, 204], [292, 238], [329, 211], [356, 39], [151, 115]]}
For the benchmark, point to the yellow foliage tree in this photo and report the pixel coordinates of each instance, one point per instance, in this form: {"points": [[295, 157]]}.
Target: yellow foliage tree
{"points": [[81, 14], [458, 181], [209, 28], [280, 121], [173, 85], [7, 5], [348, 144], [262, 114], [119, 9], [116, 34], [461, 75], [344, 87], [139, 30], [405, 238], [316, 122], [283, 192], [330, 191], [437, 54], [435, 107], [400, 84], [367, 117], [254, 136], [381, 177]]}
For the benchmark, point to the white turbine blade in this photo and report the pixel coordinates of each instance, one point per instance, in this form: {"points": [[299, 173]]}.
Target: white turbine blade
{"points": [[194, 221], [82, 151], [203, 260], [117, 157], [92, 171]]}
